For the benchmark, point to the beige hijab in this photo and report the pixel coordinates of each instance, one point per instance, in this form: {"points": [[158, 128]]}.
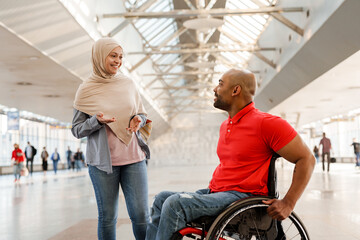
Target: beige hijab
{"points": [[114, 95]]}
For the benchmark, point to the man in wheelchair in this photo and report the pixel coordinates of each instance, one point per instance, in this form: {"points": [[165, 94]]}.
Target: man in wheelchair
{"points": [[248, 139]]}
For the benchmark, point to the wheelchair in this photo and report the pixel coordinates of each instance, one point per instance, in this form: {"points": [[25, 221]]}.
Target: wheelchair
{"points": [[246, 219]]}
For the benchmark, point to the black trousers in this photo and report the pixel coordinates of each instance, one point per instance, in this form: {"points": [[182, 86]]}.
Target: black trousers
{"points": [[31, 160]]}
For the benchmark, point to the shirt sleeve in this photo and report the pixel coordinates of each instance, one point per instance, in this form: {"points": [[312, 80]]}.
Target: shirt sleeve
{"points": [[83, 125], [277, 132]]}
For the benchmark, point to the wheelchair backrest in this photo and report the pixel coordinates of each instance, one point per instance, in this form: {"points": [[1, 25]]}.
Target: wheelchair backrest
{"points": [[272, 177]]}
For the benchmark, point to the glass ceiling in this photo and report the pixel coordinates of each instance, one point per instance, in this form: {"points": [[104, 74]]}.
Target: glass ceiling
{"points": [[172, 48], [168, 49]]}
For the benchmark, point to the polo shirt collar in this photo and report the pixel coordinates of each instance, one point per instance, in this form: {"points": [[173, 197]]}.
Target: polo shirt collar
{"points": [[242, 112]]}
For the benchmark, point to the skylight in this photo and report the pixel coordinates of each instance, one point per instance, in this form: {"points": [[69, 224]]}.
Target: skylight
{"points": [[245, 29]]}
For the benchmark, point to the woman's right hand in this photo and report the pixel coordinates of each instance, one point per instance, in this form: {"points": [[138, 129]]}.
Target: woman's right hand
{"points": [[101, 119]]}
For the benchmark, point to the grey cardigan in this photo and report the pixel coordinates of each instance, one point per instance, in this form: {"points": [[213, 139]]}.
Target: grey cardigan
{"points": [[97, 148]]}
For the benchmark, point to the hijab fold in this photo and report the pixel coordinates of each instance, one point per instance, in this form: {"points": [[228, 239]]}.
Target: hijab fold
{"points": [[113, 95]]}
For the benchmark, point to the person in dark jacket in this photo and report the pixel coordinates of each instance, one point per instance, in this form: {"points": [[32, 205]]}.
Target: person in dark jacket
{"points": [[79, 158], [30, 153], [356, 146], [44, 157]]}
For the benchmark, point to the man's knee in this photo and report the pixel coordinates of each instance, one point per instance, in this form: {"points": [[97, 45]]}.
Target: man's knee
{"points": [[161, 198], [171, 206], [176, 203]]}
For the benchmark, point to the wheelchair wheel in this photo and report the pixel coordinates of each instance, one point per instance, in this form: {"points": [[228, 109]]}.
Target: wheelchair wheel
{"points": [[248, 219]]}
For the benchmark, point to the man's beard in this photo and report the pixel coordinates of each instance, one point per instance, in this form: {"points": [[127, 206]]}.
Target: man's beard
{"points": [[221, 104]]}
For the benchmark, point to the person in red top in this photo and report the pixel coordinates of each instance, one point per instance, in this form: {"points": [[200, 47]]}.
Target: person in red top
{"points": [[248, 140], [17, 159]]}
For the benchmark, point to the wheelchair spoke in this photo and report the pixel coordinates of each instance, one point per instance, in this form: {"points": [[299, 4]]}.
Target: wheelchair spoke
{"points": [[289, 232], [256, 228]]}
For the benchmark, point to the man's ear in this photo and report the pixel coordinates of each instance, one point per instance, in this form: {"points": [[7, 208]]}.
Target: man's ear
{"points": [[236, 90]]}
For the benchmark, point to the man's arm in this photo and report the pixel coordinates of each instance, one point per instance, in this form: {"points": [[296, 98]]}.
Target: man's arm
{"points": [[296, 152]]}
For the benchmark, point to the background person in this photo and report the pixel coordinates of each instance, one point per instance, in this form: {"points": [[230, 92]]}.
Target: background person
{"points": [[44, 157], [68, 157], [356, 146], [17, 158], [30, 153], [326, 148], [55, 157], [79, 158], [316, 153], [109, 112]]}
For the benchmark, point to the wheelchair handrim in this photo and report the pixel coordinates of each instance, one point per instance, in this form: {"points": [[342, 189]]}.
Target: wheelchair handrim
{"points": [[294, 218]]}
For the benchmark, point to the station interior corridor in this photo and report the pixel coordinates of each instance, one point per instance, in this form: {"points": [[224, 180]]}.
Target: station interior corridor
{"points": [[305, 57], [63, 206]]}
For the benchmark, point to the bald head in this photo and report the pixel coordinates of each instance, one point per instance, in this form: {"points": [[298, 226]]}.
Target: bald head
{"points": [[245, 79], [235, 90]]}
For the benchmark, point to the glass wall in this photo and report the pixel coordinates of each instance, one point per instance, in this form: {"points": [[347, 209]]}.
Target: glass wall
{"points": [[39, 134], [340, 130]]}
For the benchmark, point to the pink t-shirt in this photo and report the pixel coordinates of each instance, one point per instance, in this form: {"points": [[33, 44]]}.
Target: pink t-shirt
{"points": [[120, 153]]}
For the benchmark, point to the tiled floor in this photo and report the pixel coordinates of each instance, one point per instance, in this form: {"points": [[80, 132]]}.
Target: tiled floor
{"points": [[64, 207]]}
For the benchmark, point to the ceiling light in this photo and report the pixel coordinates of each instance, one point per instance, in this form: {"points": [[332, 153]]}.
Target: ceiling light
{"points": [[203, 24], [24, 83], [33, 58], [52, 96]]}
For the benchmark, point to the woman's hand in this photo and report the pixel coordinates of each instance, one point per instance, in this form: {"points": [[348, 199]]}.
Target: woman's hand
{"points": [[101, 119], [134, 124]]}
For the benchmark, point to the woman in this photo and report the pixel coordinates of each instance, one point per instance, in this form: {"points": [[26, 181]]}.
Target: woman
{"points": [[44, 156], [17, 159], [109, 112]]}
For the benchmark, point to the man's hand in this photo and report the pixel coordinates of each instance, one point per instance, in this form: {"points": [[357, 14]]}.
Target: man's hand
{"points": [[134, 124], [278, 209], [296, 152], [101, 119]]}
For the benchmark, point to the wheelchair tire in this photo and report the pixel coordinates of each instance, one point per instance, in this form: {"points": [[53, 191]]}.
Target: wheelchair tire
{"points": [[248, 219]]}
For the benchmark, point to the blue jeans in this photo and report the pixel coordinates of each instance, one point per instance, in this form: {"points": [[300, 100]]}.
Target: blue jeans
{"points": [[133, 181], [78, 165], [172, 210], [55, 163], [69, 163], [17, 169], [357, 155]]}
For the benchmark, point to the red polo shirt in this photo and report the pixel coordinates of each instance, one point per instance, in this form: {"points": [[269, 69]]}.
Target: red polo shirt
{"points": [[247, 142]]}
